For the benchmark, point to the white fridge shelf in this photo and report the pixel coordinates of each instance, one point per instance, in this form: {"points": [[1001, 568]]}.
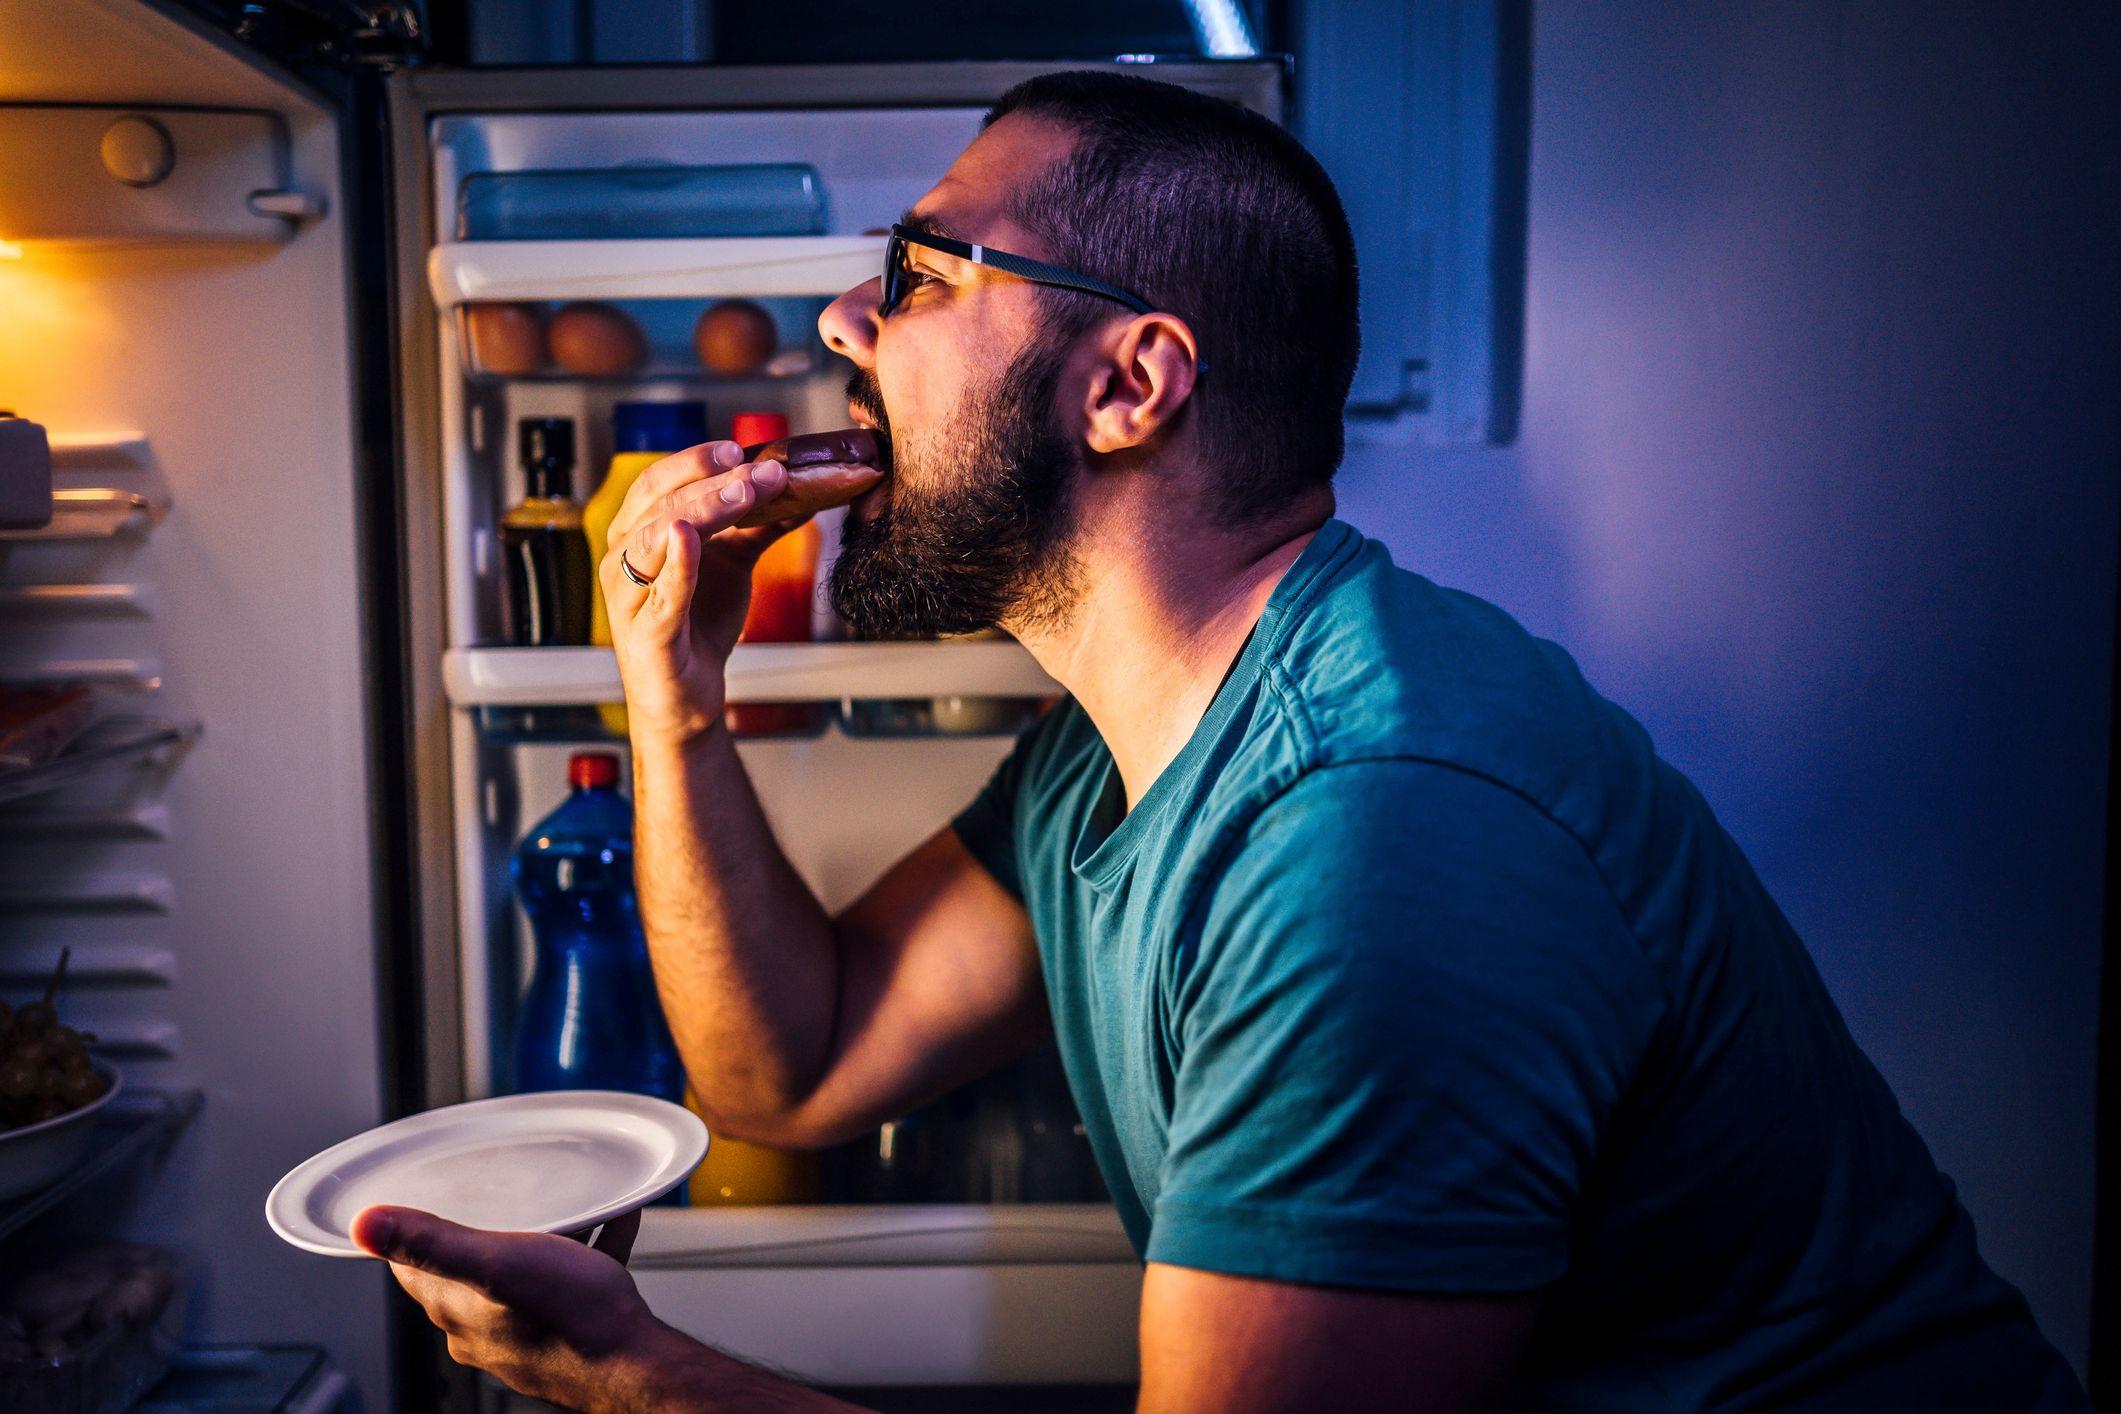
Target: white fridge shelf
{"points": [[758, 672], [464, 272], [881, 1235], [1024, 1294]]}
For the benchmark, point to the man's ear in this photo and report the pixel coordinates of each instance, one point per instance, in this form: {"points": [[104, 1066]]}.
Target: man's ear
{"points": [[1143, 377]]}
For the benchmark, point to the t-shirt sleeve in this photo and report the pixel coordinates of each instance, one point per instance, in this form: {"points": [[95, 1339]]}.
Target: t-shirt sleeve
{"points": [[1409, 1013], [987, 826]]}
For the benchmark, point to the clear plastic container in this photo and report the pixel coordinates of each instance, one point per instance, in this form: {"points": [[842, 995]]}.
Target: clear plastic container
{"points": [[648, 202], [91, 1331]]}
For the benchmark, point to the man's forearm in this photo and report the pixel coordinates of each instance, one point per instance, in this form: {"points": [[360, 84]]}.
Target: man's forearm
{"points": [[744, 957], [677, 1375]]}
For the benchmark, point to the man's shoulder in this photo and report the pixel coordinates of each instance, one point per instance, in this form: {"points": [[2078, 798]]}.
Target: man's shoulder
{"points": [[1381, 663]]}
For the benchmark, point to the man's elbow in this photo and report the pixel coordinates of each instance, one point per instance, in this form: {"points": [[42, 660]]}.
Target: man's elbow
{"points": [[776, 1122]]}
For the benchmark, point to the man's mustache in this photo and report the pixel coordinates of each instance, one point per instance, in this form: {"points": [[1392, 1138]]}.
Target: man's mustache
{"points": [[863, 392]]}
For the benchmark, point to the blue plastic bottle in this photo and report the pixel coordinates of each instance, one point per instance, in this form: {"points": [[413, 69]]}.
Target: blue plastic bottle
{"points": [[590, 1019]]}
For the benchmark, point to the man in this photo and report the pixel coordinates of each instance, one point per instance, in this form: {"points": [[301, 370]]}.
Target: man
{"points": [[1438, 1048]]}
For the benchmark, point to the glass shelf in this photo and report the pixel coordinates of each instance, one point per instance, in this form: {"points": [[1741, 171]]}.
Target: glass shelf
{"points": [[104, 746], [135, 1126], [249, 1379], [758, 672], [666, 371]]}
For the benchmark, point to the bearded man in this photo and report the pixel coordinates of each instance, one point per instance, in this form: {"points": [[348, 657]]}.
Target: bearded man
{"points": [[1438, 1048]]}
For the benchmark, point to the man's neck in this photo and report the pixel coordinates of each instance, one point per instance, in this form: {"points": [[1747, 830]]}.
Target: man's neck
{"points": [[1161, 612]]}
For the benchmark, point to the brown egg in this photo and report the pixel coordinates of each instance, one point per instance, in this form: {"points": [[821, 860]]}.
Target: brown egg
{"points": [[735, 338], [595, 340], [507, 339]]}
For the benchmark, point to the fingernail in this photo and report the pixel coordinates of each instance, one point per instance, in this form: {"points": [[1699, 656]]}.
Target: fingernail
{"points": [[733, 493], [381, 1232], [768, 471], [727, 454]]}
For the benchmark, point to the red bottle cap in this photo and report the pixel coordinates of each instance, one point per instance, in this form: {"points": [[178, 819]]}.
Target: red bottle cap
{"points": [[748, 429], [592, 770]]}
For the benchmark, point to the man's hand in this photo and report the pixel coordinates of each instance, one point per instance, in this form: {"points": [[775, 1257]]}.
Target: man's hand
{"points": [[676, 527], [549, 1317], [562, 1322]]}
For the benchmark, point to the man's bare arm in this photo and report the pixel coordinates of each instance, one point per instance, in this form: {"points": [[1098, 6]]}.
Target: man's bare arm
{"points": [[795, 1029], [1240, 1344], [800, 1029]]}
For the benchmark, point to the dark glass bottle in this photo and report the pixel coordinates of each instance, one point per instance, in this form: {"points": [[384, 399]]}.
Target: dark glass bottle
{"points": [[544, 558]]}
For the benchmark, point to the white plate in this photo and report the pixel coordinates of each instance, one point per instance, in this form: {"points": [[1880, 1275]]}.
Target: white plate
{"points": [[554, 1162]]}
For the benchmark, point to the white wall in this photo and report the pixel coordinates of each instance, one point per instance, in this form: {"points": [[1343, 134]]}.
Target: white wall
{"points": [[1817, 477]]}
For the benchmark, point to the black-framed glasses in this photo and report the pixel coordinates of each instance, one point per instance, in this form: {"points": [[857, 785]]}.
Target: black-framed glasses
{"points": [[898, 273]]}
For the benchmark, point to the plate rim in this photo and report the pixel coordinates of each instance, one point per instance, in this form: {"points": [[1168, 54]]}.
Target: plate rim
{"points": [[282, 1203]]}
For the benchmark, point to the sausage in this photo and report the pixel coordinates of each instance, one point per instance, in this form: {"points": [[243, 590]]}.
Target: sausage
{"points": [[825, 469]]}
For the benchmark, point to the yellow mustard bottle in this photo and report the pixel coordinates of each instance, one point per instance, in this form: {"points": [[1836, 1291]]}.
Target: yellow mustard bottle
{"points": [[642, 434], [740, 1175]]}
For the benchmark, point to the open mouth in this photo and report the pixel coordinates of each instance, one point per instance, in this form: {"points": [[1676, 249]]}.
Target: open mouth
{"points": [[871, 503]]}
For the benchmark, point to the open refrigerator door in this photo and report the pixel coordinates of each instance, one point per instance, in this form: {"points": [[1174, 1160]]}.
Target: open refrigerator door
{"points": [[175, 303]]}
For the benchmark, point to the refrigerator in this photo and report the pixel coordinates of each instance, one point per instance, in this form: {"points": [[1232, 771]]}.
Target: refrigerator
{"points": [[236, 300]]}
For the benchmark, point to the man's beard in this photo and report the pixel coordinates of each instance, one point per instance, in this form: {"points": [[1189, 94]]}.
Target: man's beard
{"points": [[988, 544]]}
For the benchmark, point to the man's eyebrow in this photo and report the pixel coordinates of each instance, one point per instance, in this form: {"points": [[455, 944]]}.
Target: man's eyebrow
{"points": [[928, 226]]}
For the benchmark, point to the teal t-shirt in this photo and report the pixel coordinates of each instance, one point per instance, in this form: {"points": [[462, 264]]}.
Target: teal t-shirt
{"points": [[1418, 970]]}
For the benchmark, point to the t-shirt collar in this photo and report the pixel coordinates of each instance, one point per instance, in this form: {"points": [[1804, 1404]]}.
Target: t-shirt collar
{"points": [[1111, 835]]}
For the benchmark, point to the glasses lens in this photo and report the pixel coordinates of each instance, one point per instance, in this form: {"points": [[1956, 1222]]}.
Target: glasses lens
{"points": [[894, 276]]}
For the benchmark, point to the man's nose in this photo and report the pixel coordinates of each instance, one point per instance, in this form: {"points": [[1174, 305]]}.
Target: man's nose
{"points": [[849, 324]]}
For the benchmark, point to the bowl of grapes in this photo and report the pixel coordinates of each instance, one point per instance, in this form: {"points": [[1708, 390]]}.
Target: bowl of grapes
{"points": [[51, 1091]]}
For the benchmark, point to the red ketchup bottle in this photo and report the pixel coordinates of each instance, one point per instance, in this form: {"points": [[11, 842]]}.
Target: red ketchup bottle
{"points": [[783, 590]]}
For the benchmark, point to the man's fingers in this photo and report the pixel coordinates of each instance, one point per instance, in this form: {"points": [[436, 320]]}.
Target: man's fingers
{"points": [[662, 477], [616, 1240], [718, 500], [708, 507]]}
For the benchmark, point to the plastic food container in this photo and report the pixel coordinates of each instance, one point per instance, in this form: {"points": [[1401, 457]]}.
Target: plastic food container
{"points": [[648, 202], [90, 1332]]}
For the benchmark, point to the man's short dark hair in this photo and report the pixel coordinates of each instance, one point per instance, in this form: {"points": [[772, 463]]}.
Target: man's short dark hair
{"points": [[1212, 212]]}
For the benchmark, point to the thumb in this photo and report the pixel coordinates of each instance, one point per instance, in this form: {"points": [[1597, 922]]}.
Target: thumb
{"points": [[407, 1237]]}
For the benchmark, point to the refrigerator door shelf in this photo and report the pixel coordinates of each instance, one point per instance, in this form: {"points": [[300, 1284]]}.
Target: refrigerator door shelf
{"points": [[462, 272], [758, 672], [116, 450]]}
